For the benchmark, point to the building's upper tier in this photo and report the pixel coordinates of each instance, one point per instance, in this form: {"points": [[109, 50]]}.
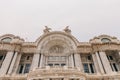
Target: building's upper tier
{"points": [[62, 39]]}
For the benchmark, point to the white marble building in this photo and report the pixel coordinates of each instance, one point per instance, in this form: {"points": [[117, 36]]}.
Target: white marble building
{"points": [[58, 55]]}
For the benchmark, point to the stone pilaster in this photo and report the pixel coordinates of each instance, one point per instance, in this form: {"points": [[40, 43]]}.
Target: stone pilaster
{"points": [[99, 63], [41, 61], [78, 62], [105, 62], [97, 68], [67, 61], [44, 61], [12, 63], [35, 61], [72, 62], [6, 63]]}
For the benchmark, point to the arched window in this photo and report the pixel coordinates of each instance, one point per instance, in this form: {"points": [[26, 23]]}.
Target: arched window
{"points": [[7, 39], [104, 40]]}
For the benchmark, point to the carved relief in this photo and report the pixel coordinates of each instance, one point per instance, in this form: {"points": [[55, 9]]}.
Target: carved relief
{"points": [[56, 49]]}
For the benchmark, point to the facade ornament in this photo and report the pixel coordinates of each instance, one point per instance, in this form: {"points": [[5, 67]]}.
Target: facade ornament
{"points": [[47, 29], [67, 30]]}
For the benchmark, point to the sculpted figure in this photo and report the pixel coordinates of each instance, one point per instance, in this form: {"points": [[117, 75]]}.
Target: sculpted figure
{"points": [[67, 29], [47, 29]]}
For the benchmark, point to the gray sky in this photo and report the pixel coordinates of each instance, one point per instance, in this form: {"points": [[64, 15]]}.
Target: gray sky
{"points": [[86, 18]]}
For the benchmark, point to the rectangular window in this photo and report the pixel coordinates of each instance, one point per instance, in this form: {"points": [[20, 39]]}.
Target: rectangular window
{"points": [[86, 68], [92, 68], [110, 57], [62, 64], [56, 64], [27, 68], [89, 57], [1, 57], [21, 68], [25, 63], [50, 64], [115, 67]]}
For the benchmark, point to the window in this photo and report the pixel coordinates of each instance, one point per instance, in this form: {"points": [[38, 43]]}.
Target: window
{"points": [[27, 68], [86, 68], [113, 61], [62, 64], [89, 57], [7, 39], [56, 61], [21, 68], [28, 57], [1, 57], [104, 40], [88, 64], [110, 57], [50, 64], [25, 63]]}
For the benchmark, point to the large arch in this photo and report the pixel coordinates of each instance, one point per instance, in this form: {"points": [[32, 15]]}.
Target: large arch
{"points": [[59, 42]]}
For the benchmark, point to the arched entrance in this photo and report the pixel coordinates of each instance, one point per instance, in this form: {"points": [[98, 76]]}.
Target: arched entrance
{"points": [[57, 49]]}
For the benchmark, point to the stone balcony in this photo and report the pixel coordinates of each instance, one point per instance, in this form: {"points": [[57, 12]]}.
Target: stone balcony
{"points": [[56, 72]]}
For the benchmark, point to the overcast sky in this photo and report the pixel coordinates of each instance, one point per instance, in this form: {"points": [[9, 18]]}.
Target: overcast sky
{"points": [[86, 18]]}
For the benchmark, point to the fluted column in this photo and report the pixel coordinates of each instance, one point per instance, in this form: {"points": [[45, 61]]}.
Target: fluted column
{"points": [[35, 61], [17, 63], [105, 62], [99, 63], [6, 63], [95, 63], [78, 62], [13, 63]]}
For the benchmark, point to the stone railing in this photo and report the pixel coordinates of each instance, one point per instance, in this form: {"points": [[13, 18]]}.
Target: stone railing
{"points": [[56, 72]]}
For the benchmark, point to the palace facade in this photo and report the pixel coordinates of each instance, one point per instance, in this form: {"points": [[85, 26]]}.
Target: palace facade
{"points": [[58, 55]]}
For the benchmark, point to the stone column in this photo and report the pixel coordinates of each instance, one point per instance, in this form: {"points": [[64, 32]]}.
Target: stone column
{"points": [[13, 63], [95, 63], [6, 63], [35, 61], [17, 63], [44, 61], [99, 63], [105, 62], [78, 62], [72, 62], [41, 61], [67, 61]]}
